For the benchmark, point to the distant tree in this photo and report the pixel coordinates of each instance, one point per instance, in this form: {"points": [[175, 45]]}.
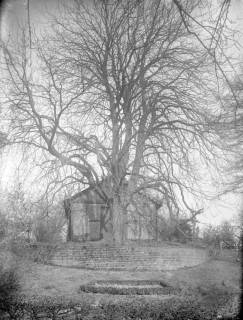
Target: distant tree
{"points": [[224, 232], [3, 225], [19, 212], [48, 229], [238, 223], [124, 90], [49, 222], [209, 234], [29, 218], [227, 233], [184, 230], [178, 229]]}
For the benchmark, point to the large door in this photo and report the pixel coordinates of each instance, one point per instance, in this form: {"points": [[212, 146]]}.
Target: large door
{"points": [[94, 213], [79, 221]]}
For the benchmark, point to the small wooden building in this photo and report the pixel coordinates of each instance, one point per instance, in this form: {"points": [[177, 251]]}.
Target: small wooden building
{"points": [[89, 217]]}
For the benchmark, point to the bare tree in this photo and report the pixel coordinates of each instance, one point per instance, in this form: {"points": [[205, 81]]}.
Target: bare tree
{"points": [[230, 130], [121, 91]]}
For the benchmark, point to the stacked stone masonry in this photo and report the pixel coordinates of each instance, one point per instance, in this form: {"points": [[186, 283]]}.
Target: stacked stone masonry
{"points": [[126, 257]]}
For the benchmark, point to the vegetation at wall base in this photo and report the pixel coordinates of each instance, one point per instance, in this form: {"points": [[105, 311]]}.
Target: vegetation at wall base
{"points": [[36, 252]]}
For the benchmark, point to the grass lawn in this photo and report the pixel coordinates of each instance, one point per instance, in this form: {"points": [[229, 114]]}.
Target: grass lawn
{"points": [[47, 280], [215, 285], [44, 280]]}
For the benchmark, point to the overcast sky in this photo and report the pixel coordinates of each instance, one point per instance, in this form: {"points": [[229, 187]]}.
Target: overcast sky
{"points": [[14, 13]]}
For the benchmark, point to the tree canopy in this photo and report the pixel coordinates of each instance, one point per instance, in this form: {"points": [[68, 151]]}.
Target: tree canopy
{"points": [[231, 132], [124, 90]]}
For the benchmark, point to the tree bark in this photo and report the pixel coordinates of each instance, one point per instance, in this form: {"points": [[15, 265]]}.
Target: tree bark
{"points": [[69, 220], [118, 221]]}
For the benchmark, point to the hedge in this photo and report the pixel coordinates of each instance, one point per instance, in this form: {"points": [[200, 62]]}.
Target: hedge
{"points": [[126, 309], [136, 289]]}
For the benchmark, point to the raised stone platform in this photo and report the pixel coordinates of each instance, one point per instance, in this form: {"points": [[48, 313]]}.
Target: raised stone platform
{"points": [[126, 257]]}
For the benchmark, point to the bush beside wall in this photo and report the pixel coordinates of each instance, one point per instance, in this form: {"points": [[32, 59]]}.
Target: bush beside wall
{"points": [[36, 252]]}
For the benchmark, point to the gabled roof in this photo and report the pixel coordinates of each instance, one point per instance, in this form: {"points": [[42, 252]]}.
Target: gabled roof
{"points": [[91, 195]]}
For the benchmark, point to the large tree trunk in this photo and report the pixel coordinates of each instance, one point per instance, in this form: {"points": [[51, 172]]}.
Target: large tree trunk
{"points": [[119, 222], [69, 220]]}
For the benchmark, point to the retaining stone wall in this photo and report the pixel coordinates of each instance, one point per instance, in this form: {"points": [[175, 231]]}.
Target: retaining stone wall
{"points": [[126, 257]]}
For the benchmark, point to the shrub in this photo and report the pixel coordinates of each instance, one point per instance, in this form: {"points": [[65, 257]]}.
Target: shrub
{"points": [[36, 252], [224, 232], [171, 309], [37, 308], [9, 286], [130, 308], [48, 229], [215, 295], [41, 253]]}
